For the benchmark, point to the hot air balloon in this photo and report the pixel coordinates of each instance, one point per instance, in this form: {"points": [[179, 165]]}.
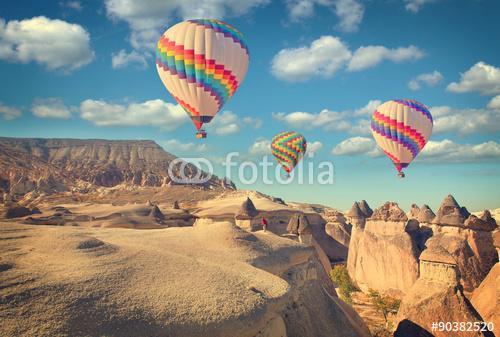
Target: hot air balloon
{"points": [[401, 128], [288, 147], [202, 63]]}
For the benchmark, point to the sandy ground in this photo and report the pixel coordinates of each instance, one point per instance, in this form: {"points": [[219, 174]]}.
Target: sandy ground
{"points": [[191, 281]]}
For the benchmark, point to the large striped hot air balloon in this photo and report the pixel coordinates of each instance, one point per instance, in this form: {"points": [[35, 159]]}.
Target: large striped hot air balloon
{"points": [[401, 127], [289, 148], [202, 63]]}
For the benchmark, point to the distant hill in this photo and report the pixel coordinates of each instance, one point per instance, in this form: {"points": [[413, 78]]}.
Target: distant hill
{"points": [[57, 165]]}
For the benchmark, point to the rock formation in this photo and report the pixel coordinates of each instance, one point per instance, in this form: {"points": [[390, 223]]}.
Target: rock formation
{"points": [[339, 230], [486, 298], [414, 212], [484, 223], [215, 280], [365, 208], [246, 216], [383, 255], [356, 216], [18, 211], [390, 211], [450, 213], [435, 297], [426, 215], [57, 165]]}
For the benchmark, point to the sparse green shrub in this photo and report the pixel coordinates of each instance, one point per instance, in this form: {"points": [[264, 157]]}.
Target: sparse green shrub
{"points": [[384, 304], [340, 277]]}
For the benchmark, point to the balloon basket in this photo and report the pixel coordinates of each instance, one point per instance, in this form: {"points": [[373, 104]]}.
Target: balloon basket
{"points": [[401, 175], [201, 134]]}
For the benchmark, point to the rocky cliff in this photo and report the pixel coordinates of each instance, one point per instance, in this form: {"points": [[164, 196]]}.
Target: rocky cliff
{"points": [[436, 297], [383, 254], [56, 165]]}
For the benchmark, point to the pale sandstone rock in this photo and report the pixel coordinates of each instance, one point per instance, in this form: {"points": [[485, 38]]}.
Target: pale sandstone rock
{"points": [[486, 298], [435, 297]]}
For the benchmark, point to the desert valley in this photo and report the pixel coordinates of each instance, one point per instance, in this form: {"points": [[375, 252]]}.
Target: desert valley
{"points": [[97, 239]]}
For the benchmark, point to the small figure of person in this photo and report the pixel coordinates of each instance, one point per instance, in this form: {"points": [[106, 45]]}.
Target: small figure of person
{"points": [[264, 224]]}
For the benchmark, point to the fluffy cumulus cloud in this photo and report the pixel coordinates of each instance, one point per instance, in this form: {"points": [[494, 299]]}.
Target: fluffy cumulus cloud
{"points": [[445, 151], [465, 121], [415, 5], [494, 103], [449, 151], [328, 54], [430, 79], [370, 56], [481, 77], [123, 59], [50, 108], [147, 18], [174, 145], [314, 146], [55, 44], [9, 113], [352, 121], [323, 57], [356, 146], [260, 147], [227, 123], [155, 113], [349, 12]]}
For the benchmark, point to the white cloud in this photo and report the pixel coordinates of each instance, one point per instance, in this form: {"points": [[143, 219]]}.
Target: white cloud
{"points": [[445, 151], [349, 12], [370, 56], [174, 145], [449, 151], [431, 79], [123, 59], [494, 103], [351, 121], [50, 108], [328, 54], [256, 123], [56, 44], [481, 77], [415, 5], [313, 147], [261, 146], [75, 5], [465, 121], [151, 113], [356, 146], [369, 108], [9, 113], [227, 123], [325, 119], [147, 19], [323, 57]]}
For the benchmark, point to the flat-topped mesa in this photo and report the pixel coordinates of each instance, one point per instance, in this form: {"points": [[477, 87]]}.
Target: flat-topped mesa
{"points": [[450, 213], [425, 215], [484, 223], [246, 217], [390, 211], [334, 216], [365, 208], [413, 212], [437, 264]]}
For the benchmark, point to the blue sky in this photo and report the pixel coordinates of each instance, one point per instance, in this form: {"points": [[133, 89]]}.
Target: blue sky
{"points": [[84, 69]]}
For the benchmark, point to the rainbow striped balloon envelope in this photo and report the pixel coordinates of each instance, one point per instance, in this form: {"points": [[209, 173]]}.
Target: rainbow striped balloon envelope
{"points": [[289, 148], [202, 63], [401, 128]]}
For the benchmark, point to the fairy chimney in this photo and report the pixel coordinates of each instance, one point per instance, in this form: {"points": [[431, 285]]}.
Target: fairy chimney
{"points": [[246, 217]]}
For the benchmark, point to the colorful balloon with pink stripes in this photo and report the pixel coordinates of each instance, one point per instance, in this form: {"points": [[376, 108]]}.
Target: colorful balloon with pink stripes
{"points": [[401, 128]]}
